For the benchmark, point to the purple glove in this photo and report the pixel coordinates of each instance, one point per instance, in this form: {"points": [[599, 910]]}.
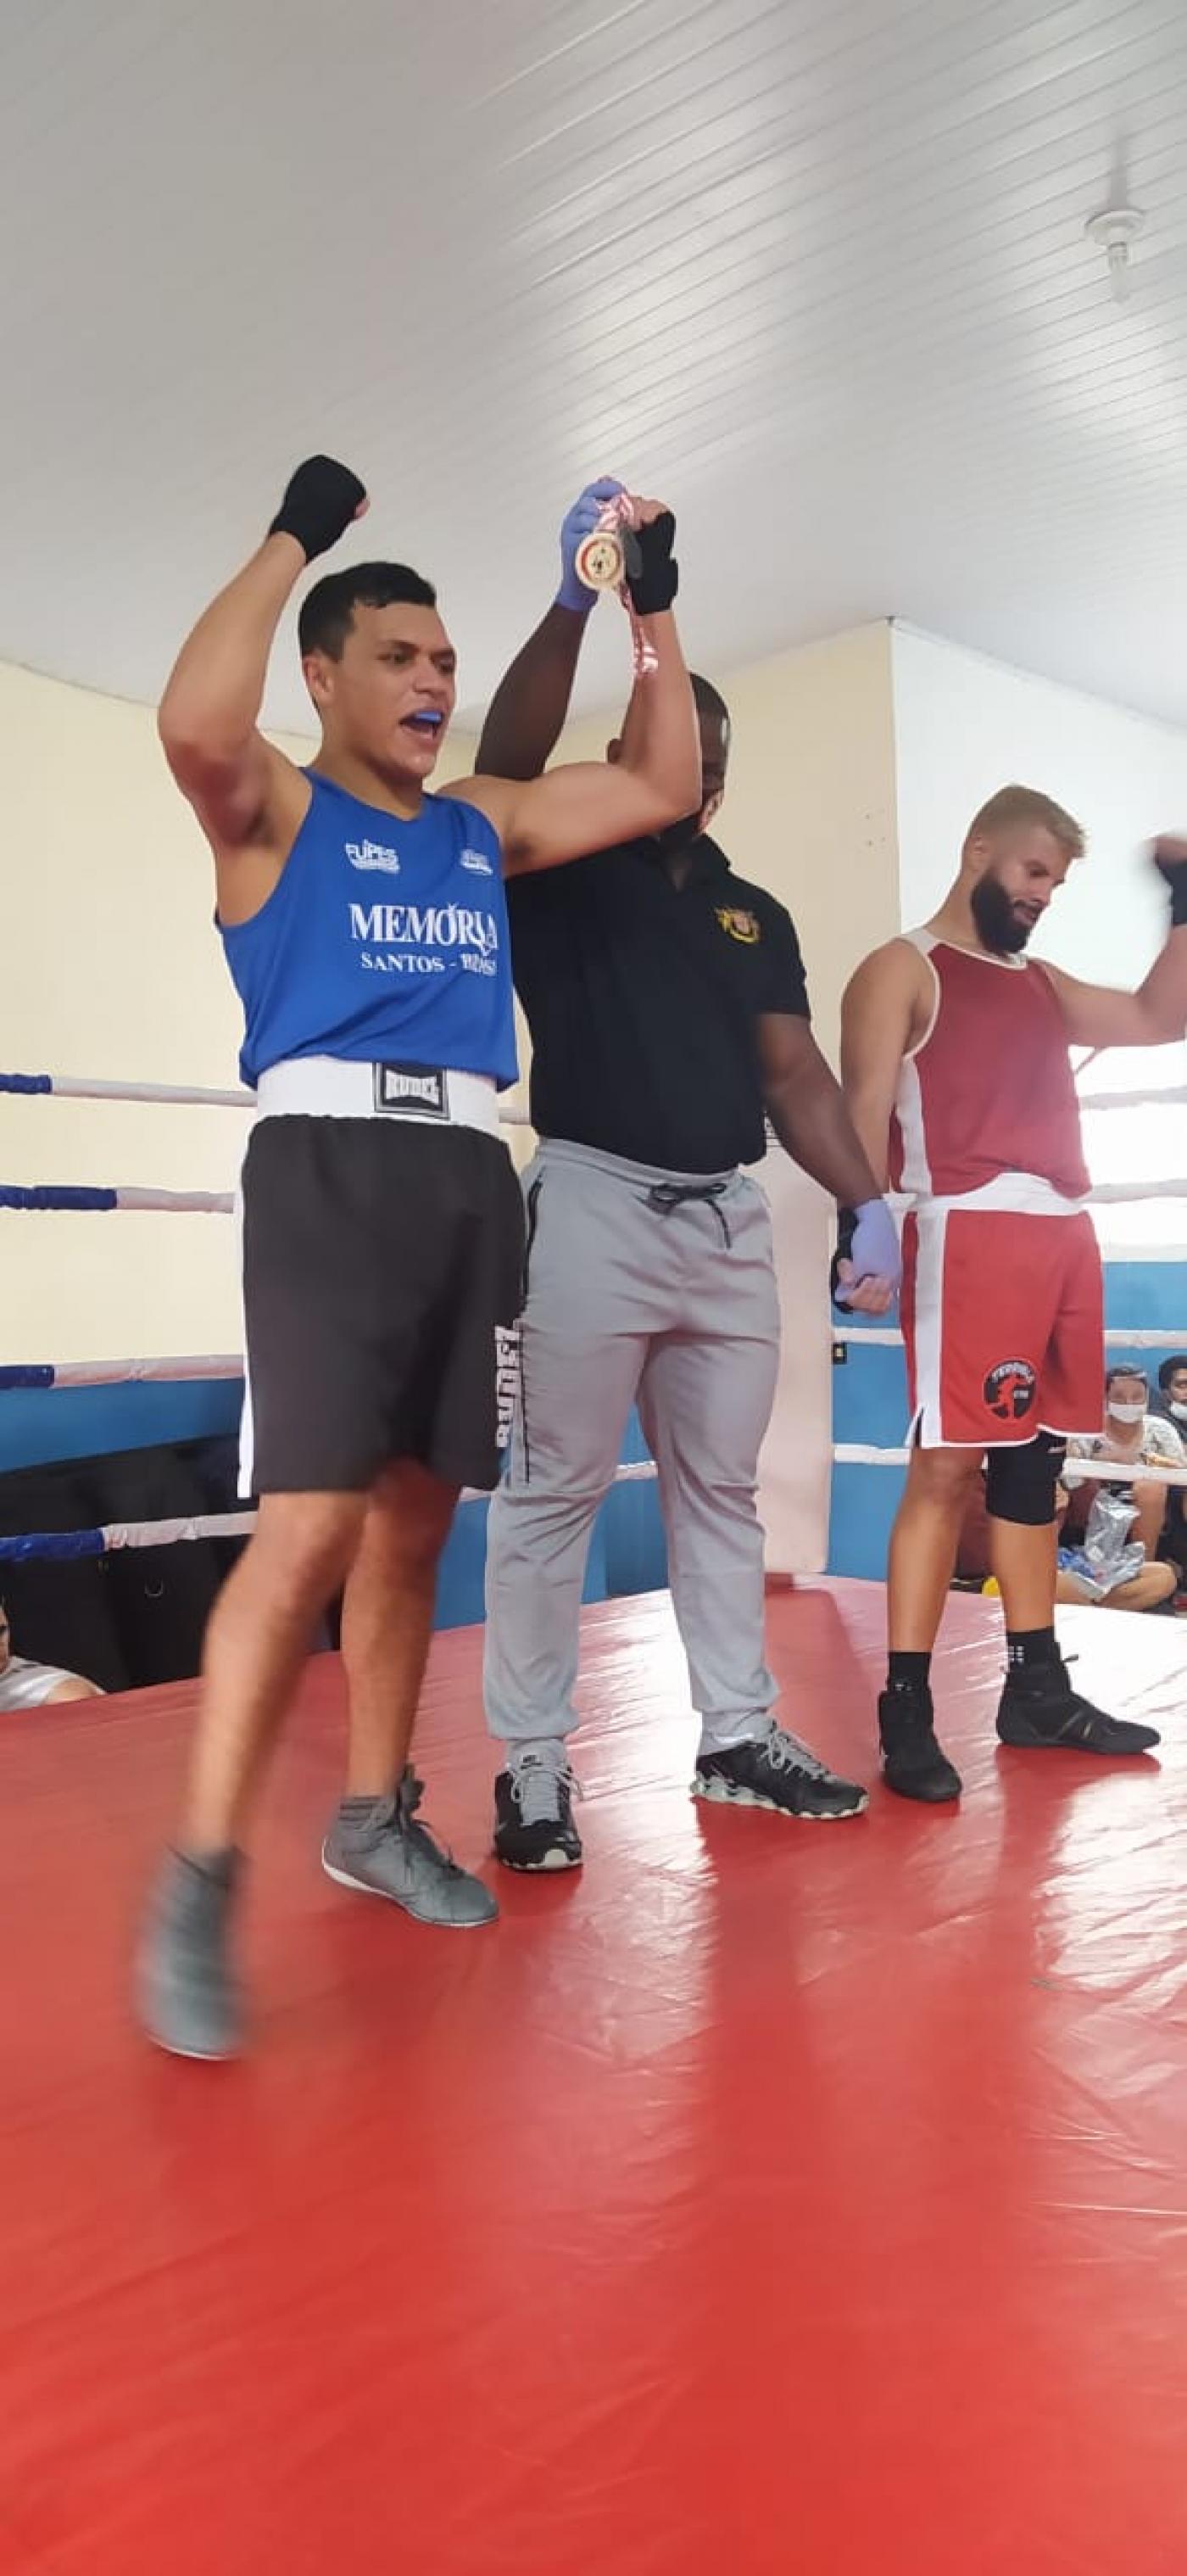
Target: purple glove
{"points": [[579, 523], [867, 1238]]}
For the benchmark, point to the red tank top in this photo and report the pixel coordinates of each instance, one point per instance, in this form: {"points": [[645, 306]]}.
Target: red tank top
{"points": [[989, 1090]]}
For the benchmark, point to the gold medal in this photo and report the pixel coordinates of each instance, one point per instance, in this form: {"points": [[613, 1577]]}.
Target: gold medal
{"points": [[599, 561]]}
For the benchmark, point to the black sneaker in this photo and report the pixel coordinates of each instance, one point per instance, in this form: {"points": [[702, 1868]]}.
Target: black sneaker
{"points": [[913, 1764], [775, 1770], [1040, 1712], [534, 1826]]}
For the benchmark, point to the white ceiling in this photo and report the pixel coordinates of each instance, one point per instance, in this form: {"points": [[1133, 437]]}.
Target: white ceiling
{"points": [[813, 269]]}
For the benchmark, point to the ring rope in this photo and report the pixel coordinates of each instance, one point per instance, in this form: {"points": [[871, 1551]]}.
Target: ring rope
{"points": [[889, 1337], [52, 1199], [44, 1374], [65, 1086], [1078, 1471], [63, 1546]]}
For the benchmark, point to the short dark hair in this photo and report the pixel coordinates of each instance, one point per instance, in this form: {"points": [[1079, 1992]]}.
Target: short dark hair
{"points": [[1126, 1368], [709, 701], [327, 613], [1170, 1368]]}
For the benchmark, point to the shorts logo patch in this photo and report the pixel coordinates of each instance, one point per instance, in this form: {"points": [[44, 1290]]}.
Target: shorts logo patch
{"points": [[416, 1089], [740, 925], [1009, 1390], [508, 1378]]}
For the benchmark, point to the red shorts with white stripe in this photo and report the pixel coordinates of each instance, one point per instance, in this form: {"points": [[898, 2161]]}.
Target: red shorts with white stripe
{"points": [[1003, 1319]]}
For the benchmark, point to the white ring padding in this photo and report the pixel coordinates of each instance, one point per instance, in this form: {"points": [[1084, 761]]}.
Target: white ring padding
{"points": [[1076, 1471], [888, 1337]]}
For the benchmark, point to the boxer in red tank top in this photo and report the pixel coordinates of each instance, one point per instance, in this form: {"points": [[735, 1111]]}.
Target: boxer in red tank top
{"points": [[955, 1058]]}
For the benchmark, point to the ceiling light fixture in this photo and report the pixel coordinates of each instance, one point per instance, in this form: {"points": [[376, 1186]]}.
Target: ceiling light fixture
{"points": [[1114, 231]]}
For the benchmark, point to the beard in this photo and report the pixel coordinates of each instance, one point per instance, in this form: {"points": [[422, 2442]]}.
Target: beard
{"points": [[996, 920]]}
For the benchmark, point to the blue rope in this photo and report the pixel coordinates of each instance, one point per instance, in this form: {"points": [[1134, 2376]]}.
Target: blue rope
{"points": [[53, 1545], [26, 1082], [43, 1200], [27, 1376]]}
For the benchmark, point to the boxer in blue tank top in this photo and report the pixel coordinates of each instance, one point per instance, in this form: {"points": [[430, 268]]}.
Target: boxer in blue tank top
{"points": [[365, 927]]}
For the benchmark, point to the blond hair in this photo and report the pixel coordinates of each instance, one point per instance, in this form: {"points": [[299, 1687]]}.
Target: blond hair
{"points": [[1013, 807]]}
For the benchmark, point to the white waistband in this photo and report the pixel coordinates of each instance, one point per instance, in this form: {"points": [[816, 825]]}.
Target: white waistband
{"points": [[326, 1086], [1011, 1193]]}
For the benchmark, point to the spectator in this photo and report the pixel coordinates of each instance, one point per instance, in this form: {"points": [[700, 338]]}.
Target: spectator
{"points": [[1134, 1435], [1171, 1399], [24, 1685]]}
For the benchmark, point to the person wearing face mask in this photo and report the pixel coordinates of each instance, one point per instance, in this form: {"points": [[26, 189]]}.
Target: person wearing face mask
{"points": [[1134, 1435], [956, 1066], [1170, 1398]]}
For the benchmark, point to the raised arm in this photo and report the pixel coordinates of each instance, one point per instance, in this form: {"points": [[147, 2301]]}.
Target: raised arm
{"points": [[591, 805], [526, 716], [1156, 1014], [247, 796]]}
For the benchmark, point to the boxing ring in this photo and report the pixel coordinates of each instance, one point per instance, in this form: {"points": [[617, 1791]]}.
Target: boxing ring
{"points": [[659, 2225]]}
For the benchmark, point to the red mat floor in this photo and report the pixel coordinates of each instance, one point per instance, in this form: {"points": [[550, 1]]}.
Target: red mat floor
{"points": [[769, 2197]]}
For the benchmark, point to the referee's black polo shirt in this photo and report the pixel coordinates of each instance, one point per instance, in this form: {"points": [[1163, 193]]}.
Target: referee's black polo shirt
{"points": [[642, 999]]}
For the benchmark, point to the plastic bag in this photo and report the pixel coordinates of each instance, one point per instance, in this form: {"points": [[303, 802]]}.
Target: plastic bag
{"points": [[1108, 1556]]}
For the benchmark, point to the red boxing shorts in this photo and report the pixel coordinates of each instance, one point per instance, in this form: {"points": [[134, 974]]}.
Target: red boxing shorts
{"points": [[1003, 1319]]}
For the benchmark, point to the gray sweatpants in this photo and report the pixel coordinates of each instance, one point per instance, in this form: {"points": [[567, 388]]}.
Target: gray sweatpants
{"points": [[673, 1306]]}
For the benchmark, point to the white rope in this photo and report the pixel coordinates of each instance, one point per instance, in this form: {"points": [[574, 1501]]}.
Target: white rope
{"points": [[1077, 1471], [1116, 1193], [888, 1337], [120, 1534], [170, 1094], [179, 1202], [160, 1372], [1171, 1099], [173, 1095]]}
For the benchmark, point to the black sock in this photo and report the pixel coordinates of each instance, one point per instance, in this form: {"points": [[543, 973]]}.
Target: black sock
{"points": [[1029, 1648], [908, 1672]]}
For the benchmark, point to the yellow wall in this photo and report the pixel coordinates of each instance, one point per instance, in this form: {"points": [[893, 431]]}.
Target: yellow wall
{"points": [[112, 968]]}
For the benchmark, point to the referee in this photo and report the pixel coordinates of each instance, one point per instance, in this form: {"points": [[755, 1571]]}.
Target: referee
{"points": [[669, 1019]]}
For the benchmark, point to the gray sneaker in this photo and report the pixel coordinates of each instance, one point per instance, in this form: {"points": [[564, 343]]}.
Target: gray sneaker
{"points": [[376, 1846], [187, 1995]]}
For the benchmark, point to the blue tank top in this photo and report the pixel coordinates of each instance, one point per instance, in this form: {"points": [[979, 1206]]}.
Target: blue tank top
{"points": [[384, 941]]}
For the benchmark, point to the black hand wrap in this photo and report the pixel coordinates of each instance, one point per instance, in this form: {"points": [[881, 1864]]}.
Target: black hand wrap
{"points": [[319, 505], [1174, 871], [846, 1229], [652, 573]]}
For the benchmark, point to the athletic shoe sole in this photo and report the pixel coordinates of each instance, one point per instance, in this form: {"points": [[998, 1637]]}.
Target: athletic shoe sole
{"points": [[552, 1861], [924, 1797], [435, 1922], [1024, 1742], [719, 1793]]}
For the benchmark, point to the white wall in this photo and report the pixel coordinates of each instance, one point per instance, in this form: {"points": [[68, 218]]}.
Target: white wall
{"points": [[964, 726]]}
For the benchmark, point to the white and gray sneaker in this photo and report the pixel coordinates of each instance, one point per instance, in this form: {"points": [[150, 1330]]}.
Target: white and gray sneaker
{"points": [[775, 1770], [376, 1846], [534, 1826]]}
